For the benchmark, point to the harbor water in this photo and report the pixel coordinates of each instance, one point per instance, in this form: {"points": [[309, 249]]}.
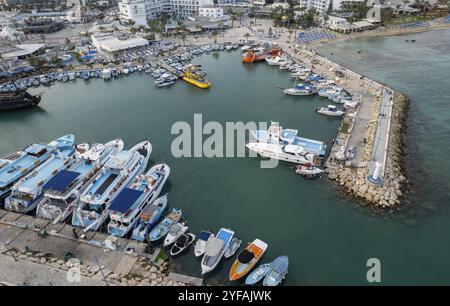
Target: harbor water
{"points": [[328, 237]]}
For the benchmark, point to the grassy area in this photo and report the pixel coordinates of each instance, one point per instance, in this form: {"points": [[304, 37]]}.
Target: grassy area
{"points": [[406, 19], [345, 127]]}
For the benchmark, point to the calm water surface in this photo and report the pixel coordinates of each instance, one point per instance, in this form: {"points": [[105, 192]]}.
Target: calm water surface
{"points": [[328, 238]]}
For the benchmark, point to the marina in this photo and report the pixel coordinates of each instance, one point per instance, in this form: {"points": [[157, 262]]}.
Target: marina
{"points": [[276, 174]]}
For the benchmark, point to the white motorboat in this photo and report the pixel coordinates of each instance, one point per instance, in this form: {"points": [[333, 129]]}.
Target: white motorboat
{"points": [[308, 169], [175, 231], [201, 243], [300, 90], [289, 152], [182, 243], [215, 249], [331, 110], [106, 73], [273, 60]]}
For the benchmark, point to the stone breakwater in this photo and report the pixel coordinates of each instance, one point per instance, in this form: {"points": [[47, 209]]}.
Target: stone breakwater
{"points": [[143, 272], [354, 179]]}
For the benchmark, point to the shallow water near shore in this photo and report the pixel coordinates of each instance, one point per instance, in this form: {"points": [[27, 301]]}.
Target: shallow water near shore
{"points": [[328, 238]]}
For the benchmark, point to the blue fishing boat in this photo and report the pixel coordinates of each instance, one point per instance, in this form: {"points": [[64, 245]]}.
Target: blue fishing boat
{"points": [[62, 192], [164, 226], [28, 191], [277, 135], [215, 249], [127, 207], [148, 218], [15, 166], [93, 208], [258, 274], [277, 272]]}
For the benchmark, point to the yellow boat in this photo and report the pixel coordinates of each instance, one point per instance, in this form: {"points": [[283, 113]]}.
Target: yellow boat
{"points": [[194, 75]]}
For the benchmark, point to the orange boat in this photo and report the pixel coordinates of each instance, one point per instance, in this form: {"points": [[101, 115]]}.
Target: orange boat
{"points": [[247, 259], [252, 56]]}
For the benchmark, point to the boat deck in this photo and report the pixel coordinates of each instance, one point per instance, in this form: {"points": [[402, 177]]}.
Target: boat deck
{"points": [[14, 169], [39, 175], [103, 183]]}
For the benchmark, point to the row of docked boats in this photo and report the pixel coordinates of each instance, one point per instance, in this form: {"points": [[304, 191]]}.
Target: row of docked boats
{"points": [[87, 185], [307, 83], [49, 78]]}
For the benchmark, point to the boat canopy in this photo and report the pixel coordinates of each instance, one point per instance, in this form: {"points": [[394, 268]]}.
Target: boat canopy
{"points": [[245, 256], [181, 241], [204, 235], [293, 149], [214, 246], [61, 181], [35, 149], [125, 199]]}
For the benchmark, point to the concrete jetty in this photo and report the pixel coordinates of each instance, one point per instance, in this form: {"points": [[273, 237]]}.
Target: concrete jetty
{"points": [[373, 130]]}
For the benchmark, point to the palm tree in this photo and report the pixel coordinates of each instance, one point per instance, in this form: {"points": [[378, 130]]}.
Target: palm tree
{"points": [[246, 35], [214, 34], [290, 34], [240, 14], [43, 38]]}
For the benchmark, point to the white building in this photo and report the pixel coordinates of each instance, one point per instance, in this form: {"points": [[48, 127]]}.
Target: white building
{"points": [[111, 44], [140, 11], [343, 26], [320, 6], [211, 11]]}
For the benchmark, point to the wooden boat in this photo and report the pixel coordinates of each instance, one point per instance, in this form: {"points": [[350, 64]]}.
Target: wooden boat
{"points": [[17, 100], [232, 247], [258, 274], [163, 227], [278, 271], [247, 259], [182, 243]]}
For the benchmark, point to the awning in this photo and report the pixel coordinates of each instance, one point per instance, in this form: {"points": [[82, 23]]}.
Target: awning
{"points": [[125, 199], [61, 181]]}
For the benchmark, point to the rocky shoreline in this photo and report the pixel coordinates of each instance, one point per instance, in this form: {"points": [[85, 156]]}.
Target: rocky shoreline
{"points": [[354, 180], [143, 272]]}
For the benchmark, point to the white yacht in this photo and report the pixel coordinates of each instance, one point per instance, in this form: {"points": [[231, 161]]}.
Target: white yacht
{"points": [[289, 152], [93, 207], [331, 110], [273, 60], [62, 192], [131, 202]]}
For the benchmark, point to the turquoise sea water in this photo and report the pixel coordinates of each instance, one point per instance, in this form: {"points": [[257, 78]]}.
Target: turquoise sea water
{"points": [[328, 238]]}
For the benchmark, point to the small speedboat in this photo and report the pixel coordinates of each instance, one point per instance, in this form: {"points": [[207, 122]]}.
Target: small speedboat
{"points": [[247, 259], [258, 274], [182, 243], [165, 84], [308, 169], [215, 249], [232, 247], [175, 232], [277, 272], [201, 243], [163, 228], [300, 90], [331, 110]]}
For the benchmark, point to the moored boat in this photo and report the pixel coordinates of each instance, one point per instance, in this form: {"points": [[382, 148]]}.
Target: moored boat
{"points": [[27, 192], [289, 153], [16, 165], [308, 169], [148, 218], [182, 243], [215, 249], [258, 274], [175, 231], [247, 259], [162, 228], [300, 90], [201, 243], [93, 208], [127, 207], [62, 192], [232, 247], [331, 110], [277, 272]]}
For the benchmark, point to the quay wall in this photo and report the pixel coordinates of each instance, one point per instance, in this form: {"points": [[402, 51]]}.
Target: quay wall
{"points": [[389, 105]]}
